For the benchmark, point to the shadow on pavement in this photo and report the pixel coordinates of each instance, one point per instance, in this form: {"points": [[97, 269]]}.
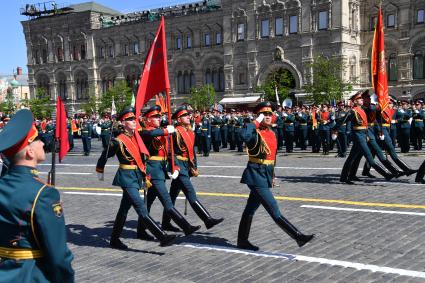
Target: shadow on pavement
{"points": [[327, 179], [203, 239]]}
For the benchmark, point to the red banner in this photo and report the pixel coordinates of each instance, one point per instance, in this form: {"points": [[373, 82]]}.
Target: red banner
{"points": [[61, 133], [379, 70]]}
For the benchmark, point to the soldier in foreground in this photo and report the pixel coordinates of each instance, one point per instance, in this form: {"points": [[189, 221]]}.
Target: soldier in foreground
{"points": [[262, 148], [33, 236]]}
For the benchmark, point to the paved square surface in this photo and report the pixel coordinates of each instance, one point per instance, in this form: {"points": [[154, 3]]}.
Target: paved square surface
{"points": [[372, 231]]}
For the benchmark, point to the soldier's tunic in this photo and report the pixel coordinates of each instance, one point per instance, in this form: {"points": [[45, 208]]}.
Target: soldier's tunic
{"points": [[86, 133], [289, 132], [223, 131], [216, 122], [206, 136], [403, 117], [105, 133], [33, 234], [342, 140], [303, 129], [324, 130], [418, 128]]}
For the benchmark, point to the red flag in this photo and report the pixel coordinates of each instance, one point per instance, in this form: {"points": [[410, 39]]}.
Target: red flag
{"points": [[154, 78], [61, 133], [379, 70]]}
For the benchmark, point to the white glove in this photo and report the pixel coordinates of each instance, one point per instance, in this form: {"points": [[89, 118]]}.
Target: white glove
{"points": [[170, 129], [260, 118], [101, 176], [402, 111], [175, 174], [200, 124], [381, 137], [334, 136], [285, 115], [416, 111], [300, 114]]}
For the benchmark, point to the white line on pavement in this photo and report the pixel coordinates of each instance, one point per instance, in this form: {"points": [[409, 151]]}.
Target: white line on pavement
{"points": [[355, 265], [102, 194], [219, 176], [364, 210], [67, 173]]}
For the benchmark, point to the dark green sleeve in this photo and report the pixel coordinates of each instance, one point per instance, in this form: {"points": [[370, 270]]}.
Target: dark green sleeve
{"points": [[51, 234], [107, 153]]}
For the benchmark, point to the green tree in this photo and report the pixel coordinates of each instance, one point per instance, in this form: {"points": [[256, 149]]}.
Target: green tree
{"points": [[41, 106], [201, 98], [10, 101], [324, 83], [282, 79], [121, 93]]}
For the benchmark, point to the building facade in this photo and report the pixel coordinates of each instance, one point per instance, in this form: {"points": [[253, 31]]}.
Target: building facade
{"points": [[231, 44]]}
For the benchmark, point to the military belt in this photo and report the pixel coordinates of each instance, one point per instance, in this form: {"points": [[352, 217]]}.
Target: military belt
{"points": [[238, 126], [14, 253], [419, 120], [84, 131], [216, 126], [386, 125], [204, 129], [289, 124], [128, 167], [372, 124], [360, 128], [158, 158], [182, 158], [261, 161], [303, 124], [393, 121]]}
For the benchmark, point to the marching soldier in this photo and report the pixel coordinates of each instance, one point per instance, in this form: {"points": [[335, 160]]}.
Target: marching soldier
{"points": [[105, 132], [394, 123], [403, 116], [130, 176], [33, 235], [86, 133], [420, 175], [156, 140], [198, 123], [262, 148], [183, 142]]}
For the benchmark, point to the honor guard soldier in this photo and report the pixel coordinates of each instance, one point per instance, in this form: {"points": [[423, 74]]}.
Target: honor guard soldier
{"points": [[86, 133], [393, 125], [70, 133], [324, 128], [262, 148], [206, 134], [131, 176], [105, 132], [223, 130], [238, 128], [48, 135], [342, 140], [231, 129], [156, 140], [418, 125], [216, 122], [358, 118], [33, 235], [302, 118], [185, 159], [404, 116], [197, 119]]}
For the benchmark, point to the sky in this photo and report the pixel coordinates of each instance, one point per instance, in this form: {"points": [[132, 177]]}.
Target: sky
{"points": [[12, 45]]}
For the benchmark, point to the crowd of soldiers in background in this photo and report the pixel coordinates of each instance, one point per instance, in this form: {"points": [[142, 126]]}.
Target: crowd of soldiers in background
{"points": [[299, 127]]}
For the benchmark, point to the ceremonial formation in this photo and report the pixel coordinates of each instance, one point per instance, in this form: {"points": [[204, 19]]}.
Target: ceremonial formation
{"points": [[158, 150]]}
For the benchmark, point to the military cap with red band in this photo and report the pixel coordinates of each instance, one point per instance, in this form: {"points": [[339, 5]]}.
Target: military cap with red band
{"points": [[153, 111], [181, 111], [128, 112]]}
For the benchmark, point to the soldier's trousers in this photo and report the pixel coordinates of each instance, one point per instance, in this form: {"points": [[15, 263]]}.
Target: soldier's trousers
{"points": [[261, 196], [342, 144], [289, 141], [393, 135], [86, 144], [303, 137], [159, 190], [183, 183], [131, 197], [418, 135], [105, 137], [223, 133], [325, 138], [206, 144], [405, 140]]}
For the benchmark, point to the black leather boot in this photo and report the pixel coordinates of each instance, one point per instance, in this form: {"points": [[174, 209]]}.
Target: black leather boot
{"points": [[397, 173], [166, 223], [243, 234], [160, 234], [115, 241], [420, 175], [406, 169], [141, 231], [382, 171], [182, 222], [366, 170], [205, 216], [293, 232]]}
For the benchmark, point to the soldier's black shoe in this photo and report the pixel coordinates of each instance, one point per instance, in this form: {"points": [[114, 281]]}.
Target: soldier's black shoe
{"points": [[202, 213], [246, 245], [304, 239], [420, 181], [354, 178], [143, 235], [169, 227], [167, 240], [182, 222], [117, 244], [403, 166], [348, 182], [293, 232], [368, 174], [159, 233]]}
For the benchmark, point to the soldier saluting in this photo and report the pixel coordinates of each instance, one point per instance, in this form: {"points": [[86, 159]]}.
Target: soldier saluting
{"points": [[262, 148], [130, 176], [33, 235]]}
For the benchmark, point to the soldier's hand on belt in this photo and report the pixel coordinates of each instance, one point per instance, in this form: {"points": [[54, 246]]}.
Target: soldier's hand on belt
{"points": [[101, 176], [381, 137], [170, 129], [334, 136], [175, 174], [260, 118]]}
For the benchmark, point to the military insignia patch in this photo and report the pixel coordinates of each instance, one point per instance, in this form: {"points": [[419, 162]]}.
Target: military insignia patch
{"points": [[57, 209]]}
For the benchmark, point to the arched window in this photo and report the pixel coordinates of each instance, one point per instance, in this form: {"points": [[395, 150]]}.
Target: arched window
{"points": [[215, 79], [61, 86], [208, 79], [186, 82], [180, 84], [43, 83], [81, 85], [221, 79], [418, 66], [192, 79], [392, 67]]}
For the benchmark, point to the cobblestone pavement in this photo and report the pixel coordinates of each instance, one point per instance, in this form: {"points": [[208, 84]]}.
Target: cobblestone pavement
{"points": [[372, 231]]}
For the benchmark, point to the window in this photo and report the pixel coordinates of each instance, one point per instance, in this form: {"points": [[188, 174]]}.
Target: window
{"points": [[36, 57], [189, 41], [293, 24], [75, 55], [135, 48], [241, 32], [392, 68], [102, 52], [241, 78], [373, 21], [218, 38], [265, 28], [178, 43], [418, 66], [126, 50], [207, 39], [323, 20], [111, 51], [390, 21], [83, 51], [420, 16], [180, 82], [278, 26], [60, 54], [44, 56]]}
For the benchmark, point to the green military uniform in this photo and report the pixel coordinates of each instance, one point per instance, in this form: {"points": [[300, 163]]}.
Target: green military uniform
{"points": [[33, 235]]}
